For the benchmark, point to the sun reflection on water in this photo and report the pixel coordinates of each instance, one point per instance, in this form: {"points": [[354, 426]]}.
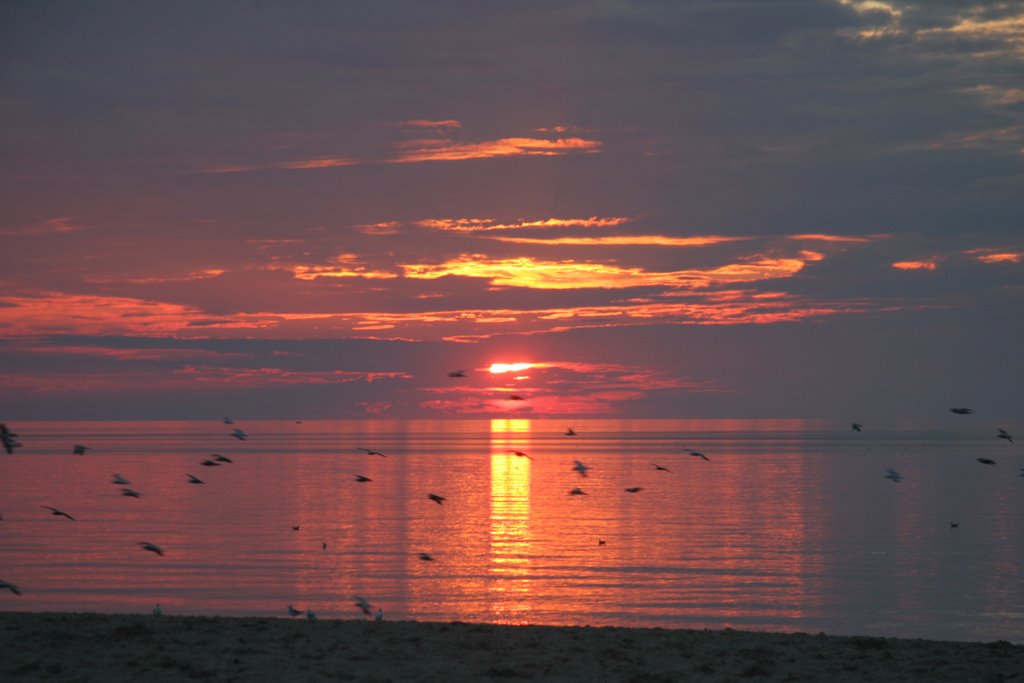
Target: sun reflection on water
{"points": [[510, 520]]}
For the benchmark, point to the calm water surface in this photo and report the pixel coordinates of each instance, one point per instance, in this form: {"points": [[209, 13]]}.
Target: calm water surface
{"points": [[790, 526]]}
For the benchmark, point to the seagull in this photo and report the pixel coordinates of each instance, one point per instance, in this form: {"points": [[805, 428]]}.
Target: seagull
{"points": [[1003, 434], [292, 612], [426, 557], [894, 475], [698, 454], [228, 421], [193, 479], [521, 454], [79, 449], [221, 458], [372, 452], [660, 468], [634, 489], [986, 461], [9, 586], [436, 498], [210, 463], [323, 545], [60, 513], [570, 432], [310, 615], [295, 528], [363, 604], [151, 547], [239, 434], [130, 493], [7, 438], [857, 426], [379, 614], [156, 610], [961, 411], [580, 467], [120, 481], [954, 525], [361, 479], [577, 492], [516, 397], [457, 373], [601, 541]]}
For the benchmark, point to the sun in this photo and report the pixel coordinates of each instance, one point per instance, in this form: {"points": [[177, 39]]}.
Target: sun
{"points": [[500, 368]]}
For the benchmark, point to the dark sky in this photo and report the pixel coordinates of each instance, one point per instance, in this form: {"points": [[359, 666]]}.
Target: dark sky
{"points": [[727, 208]]}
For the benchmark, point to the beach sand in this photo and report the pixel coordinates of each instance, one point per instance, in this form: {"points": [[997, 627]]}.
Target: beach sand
{"points": [[104, 647]]}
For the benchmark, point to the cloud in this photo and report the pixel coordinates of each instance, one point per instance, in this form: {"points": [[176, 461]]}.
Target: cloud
{"points": [[624, 240], [996, 255], [916, 265], [489, 224], [300, 165], [427, 123], [51, 226], [416, 151]]}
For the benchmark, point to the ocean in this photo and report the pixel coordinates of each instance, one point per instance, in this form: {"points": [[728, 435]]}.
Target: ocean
{"points": [[787, 525]]}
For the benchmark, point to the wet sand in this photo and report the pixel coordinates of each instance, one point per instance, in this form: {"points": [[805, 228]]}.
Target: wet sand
{"points": [[104, 647]]}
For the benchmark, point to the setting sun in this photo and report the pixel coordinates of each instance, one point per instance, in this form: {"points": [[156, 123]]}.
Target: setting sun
{"points": [[499, 368]]}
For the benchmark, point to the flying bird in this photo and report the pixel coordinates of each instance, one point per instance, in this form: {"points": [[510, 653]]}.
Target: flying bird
{"points": [[893, 475], [577, 492], [698, 454], [581, 468], [601, 541], [857, 427], [360, 478], [436, 498], [372, 452], [228, 421], [120, 481], [210, 463], [7, 438], [240, 435], [295, 528], [457, 373], [961, 411], [1003, 434], [193, 479], [57, 512], [363, 604], [7, 585], [516, 397], [954, 525], [151, 547], [323, 545], [79, 449], [426, 557], [292, 612], [221, 458], [131, 493], [634, 489], [660, 468], [521, 454], [986, 461]]}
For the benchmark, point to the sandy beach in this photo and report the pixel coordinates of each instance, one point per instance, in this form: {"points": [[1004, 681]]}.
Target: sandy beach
{"points": [[101, 647]]}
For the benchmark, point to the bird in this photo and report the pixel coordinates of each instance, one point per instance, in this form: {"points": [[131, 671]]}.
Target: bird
{"points": [[660, 468], [151, 547], [292, 612], [240, 435], [457, 373], [601, 541], [120, 481], [221, 458], [893, 475], [570, 432], [130, 493], [295, 528], [79, 449], [426, 557], [857, 426], [521, 454], [363, 604], [634, 489], [7, 585], [581, 468], [954, 525], [379, 614], [7, 438], [60, 513], [436, 498], [323, 545], [372, 452], [193, 479], [310, 615], [156, 610], [986, 461], [516, 397], [228, 421], [577, 492], [210, 463], [1003, 434], [360, 478], [698, 454], [961, 411]]}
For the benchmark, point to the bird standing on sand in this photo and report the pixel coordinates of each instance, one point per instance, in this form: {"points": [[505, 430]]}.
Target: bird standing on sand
{"points": [[151, 547], [570, 432], [1003, 434], [59, 513], [7, 585], [436, 498], [379, 614], [156, 610], [310, 615], [581, 468]]}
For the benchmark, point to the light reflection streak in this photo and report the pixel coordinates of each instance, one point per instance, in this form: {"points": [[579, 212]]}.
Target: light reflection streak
{"points": [[510, 520]]}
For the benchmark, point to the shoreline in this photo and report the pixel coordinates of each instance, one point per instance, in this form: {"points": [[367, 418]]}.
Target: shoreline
{"points": [[90, 646]]}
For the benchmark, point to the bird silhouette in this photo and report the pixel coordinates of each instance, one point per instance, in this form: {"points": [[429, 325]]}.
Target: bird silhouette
{"points": [[360, 478], [221, 458], [193, 479], [372, 452], [79, 449], [580, 467], [240, 435], [986, 461], [570, 432], [120, 481], [379, 614], [7, 585], [577, 492], [436, 498], [210, 463], [59, 513], [634, 489], [228, 421], [698, 454], [426, 557], [131, 493], [893, 475], [521, 454], [857, 427], [157, 611], [151, 547], [457, 373], [363, 604], [660, 468], [1003, 434], [310, 615], [7, 438], [961, 411], [516, 397]]}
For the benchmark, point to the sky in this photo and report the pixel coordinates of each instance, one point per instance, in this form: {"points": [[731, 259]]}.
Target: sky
{"points": [[618, 208]]}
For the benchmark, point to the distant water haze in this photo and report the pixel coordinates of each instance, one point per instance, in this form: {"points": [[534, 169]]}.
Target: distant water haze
{"points": [[789, 525]]}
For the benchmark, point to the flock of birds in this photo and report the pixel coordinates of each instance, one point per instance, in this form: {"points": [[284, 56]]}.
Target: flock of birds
{"points": [[9, 442]]}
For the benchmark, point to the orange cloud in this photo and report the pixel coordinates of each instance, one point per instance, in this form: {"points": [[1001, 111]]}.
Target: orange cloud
{"points": [[427, 123], [995, 256], [50, 226], [382, 228], [445, 150], [301, 165], [346, 265], [915, 265], [835, 238], [625, 240], [487, 224]]}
